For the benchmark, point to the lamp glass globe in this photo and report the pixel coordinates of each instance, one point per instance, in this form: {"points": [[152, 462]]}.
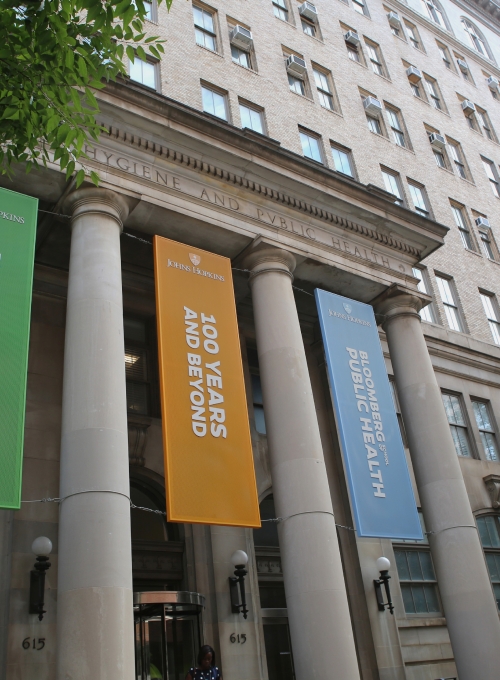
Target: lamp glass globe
{"points": [[383, 564], [42, 546], [239, 559]]}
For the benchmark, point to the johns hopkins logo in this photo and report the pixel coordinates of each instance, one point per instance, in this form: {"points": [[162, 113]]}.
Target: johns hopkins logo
{"points": [[347, 307], [195, 259]]}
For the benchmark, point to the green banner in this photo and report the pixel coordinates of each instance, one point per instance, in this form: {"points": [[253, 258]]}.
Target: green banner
{"points": [[18, 216]]}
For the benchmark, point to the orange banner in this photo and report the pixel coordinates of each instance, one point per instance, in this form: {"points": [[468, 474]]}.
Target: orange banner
{"points": [[209, 471]]}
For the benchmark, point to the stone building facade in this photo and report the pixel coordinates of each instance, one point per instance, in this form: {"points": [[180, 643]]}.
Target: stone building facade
{"points": [[369, 168]]}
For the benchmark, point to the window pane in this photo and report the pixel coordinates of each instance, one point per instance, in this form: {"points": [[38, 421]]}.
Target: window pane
{"points": [[240, 57], [214, 103], [374, 125], [260, 421], [414, 566], [296, 85], [402, 565], [406, 591], [137, 397], [426, 564], [489, 445], [419, 599], [353, 54], [391, 184], [310, 147], [488, 307], [341, 161], [445, 290], [460, 441], [431, 598], [482, 416], [321, 80], [251, 118], [418, 198], [493, 566]]}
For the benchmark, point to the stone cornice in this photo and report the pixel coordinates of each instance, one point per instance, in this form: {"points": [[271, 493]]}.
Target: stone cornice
{"points": [[202, 167]]}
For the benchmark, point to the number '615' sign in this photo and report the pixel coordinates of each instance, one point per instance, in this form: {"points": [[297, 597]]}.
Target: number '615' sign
{"points": [[35, 644]]}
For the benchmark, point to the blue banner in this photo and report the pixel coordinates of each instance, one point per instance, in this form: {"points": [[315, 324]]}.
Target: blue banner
{"points": [[379, 482]]}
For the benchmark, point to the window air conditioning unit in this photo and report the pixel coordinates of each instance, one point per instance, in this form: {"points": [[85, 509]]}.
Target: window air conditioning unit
{"points": [[394, 20], [492, 83], [242, 38], [296, 66], [352, 38], [482, 222], [468, 107], [309, 11], [372, 106], [414, 74], [437, 140], [463, 65]]}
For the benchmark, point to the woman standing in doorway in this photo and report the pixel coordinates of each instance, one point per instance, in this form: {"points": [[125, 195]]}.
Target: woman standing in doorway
{"points": [[206, 669]]}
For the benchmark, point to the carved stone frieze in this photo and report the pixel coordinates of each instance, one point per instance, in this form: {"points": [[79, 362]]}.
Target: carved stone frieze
{"points": [[203, 167]]}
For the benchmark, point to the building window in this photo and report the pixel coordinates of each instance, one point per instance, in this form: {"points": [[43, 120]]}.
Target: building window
{"points": [[252, 118], [418, 581], [260, 423], [450, 304], [426, 313], [484, 120], [375, 58], [434, 12], [308, 27], [419, 198], [296, 85], [241, 57], [311, 146], [353, 53], [416, 89], [396, 126], [458, 158], [475, 37], [360, 7], [214, 102], [342, 161], [439, 158], [486, 430], [397, 408], [472, 121], [204, 28], [486, 243], [280, 9], [322, 81], [490, 306], [434, 94], [489, 532], [463, 227], [137, 368], [445, 56], [492, 174], [374, 125], [458, 426], [413, 35], [143, 72], [392, 184], [148, 6]]}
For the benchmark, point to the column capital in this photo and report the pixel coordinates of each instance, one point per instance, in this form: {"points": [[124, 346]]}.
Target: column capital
{"points": [[96, 200], [398, 300], [270, 259]]}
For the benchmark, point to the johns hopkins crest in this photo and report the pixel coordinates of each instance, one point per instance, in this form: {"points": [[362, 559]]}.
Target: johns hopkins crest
{"points": [[347, 307], [195, 259]]}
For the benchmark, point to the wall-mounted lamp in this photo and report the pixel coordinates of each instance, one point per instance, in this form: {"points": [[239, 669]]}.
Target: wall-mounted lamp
{"points": [[383, 565], [239, 560], [41, 547]]}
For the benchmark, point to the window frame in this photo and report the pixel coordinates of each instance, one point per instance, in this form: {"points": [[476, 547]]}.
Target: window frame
{"points": [[462, 223], [376, 59], [437, 14], [387, 172], [221, 93], [412, 29], [348, 154], [204, 31], [434, 93], [394, 114], [491, 550], [476, 38], [494, 179], [304, 22], [494, 319], [485, 124], [451, 303], [243, 103], [492, 430], [427, 313], [446, 57], [464, 428], [330, 92], [310, 135], [155, 64], [281, 6], [425, 212], [458, 159], [406, 584], [360, 7]]}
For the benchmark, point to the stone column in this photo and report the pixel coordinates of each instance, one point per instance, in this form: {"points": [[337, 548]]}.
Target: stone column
{"points": [[464, 585], [320, 624], [94, 614]]}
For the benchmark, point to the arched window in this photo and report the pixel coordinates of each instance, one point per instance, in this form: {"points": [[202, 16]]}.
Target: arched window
{"points": [[489, 531], [476, 38], [149, 526], [435, 12]]}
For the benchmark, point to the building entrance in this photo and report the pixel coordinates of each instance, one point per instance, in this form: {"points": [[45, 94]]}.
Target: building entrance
{"points": [[167, 629]]}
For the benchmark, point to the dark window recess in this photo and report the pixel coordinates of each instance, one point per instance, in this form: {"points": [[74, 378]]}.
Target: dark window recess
{"points": [[141, 371], [272, 595], [258, 407], [267, 535], [278, 651]]}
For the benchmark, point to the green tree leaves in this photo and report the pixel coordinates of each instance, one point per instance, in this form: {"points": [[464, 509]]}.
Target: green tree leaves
{"points": [[52, 55]]}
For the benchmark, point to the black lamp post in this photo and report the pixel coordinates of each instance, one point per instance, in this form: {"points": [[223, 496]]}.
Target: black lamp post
{"points": [[383, 565], [239, 560], [41, 547]]}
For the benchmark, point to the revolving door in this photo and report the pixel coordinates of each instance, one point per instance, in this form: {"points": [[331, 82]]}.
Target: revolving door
{"points": [[167, 629]]}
